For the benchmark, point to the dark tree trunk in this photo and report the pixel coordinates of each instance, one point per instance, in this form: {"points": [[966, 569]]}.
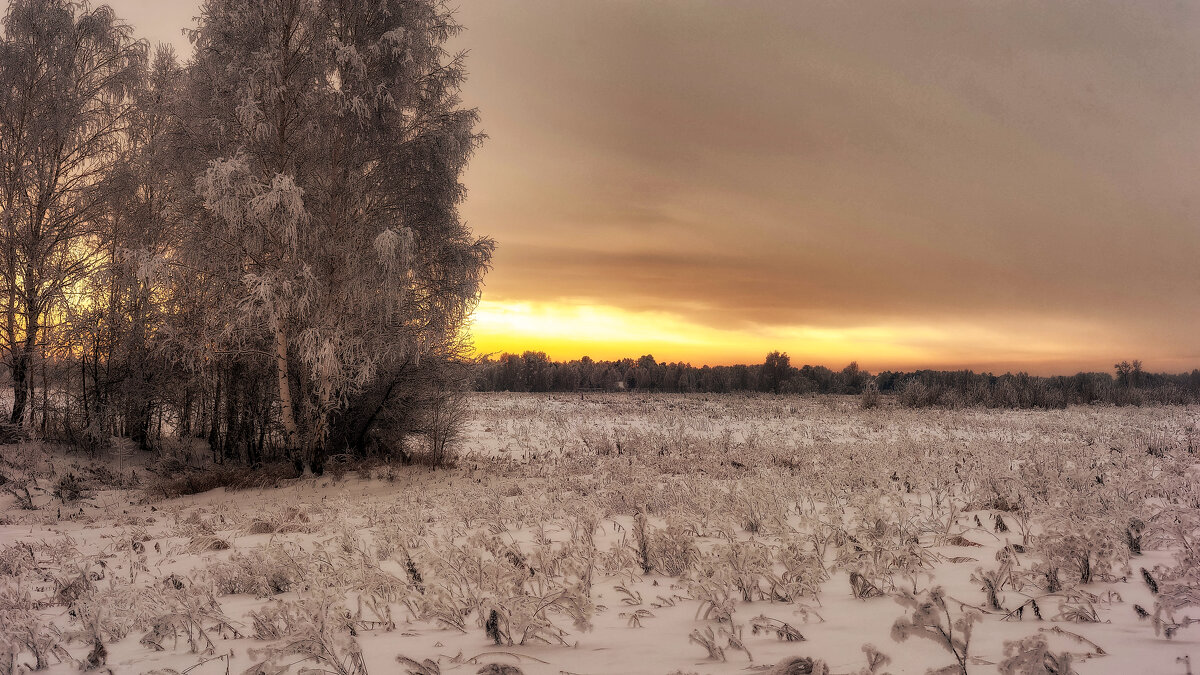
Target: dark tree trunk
{"points": [[45, 397], [214, 431], [87, 413], [20, 376], [185, 415], [233, 417], [139, 417]]}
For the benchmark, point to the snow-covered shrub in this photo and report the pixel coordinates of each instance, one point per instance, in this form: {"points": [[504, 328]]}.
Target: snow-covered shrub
{"points": [[671, 550], [800, 665], [260, 572], [870, 397], [1080, 551], [16, 560], [803, 574], [316, 628], [713, 590], [525, 619], [748, 565], [875, 661], [1032, 656], [23, 631], [992, 583], [1173, 597], [189, 611], [932, 619]]}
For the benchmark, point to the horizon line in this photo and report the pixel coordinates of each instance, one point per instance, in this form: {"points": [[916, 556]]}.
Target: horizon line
{"points": [[977, 370]]}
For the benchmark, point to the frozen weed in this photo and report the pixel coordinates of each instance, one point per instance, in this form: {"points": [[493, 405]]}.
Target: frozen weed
{"points": [[932, 619], [23, 631], [260, 572], [1032, 656], [782, 630], [708, 640], [315, 628], [191, 612], [672, 550]]}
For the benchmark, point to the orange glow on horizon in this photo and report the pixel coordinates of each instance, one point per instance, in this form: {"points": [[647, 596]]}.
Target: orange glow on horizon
{"points": [[566, 331]]}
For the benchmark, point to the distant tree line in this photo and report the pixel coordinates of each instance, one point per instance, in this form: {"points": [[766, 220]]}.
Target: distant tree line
{"points": [[258, 247], [1130, 385], [535, 372]]}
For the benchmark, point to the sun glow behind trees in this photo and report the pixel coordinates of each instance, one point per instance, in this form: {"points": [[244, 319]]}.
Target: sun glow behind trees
{"points": [[261, 245], [568, 330]]}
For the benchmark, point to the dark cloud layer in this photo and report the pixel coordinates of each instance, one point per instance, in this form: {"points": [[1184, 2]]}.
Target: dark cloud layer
{"points": [[842, 164]]}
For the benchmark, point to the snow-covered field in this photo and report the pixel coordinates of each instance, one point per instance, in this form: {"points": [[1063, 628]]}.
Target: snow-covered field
{"points": [[638, 534]]}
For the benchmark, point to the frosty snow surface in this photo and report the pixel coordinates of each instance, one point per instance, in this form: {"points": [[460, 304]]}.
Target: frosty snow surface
{"points": [[626, 533]]}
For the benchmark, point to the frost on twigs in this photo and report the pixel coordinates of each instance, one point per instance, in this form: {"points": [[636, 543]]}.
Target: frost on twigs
{"points": [[526, 619], [318, 629], [22, 628], [394, 246], [1178, 587], [192, 613], [993, 583], [862, 588], [1172, 599], [782, 630], [875, 661], [933, 620], [1032, 656], [708, 640]]}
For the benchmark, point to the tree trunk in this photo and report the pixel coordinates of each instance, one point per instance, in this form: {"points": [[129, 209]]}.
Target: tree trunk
{"points": [[87, 413], [185, 415], [22, 371], [20, 378], [139, 417], [45, 396], [215, 422], [286, 409], [233, 419], [359, 436]]}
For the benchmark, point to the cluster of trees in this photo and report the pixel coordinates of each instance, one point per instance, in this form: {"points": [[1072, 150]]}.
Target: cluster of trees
{"points": [[259, 246], [534, 372]]}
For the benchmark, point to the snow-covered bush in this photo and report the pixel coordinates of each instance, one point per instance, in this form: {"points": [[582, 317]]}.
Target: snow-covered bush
{"points": [[933, 620]]}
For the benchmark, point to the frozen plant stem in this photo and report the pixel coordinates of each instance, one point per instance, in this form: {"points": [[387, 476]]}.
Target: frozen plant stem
{"points": [[931, 619]]}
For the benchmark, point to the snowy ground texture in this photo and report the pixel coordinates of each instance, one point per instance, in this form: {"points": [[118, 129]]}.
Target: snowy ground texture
{"points": [[637, 534]]}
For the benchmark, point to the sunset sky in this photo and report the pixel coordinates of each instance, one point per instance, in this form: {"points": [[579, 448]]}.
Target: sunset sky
{"points": [[993, 185]]}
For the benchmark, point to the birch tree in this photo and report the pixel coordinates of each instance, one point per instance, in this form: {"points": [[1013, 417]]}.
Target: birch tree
{"points": [[334, 141], [66, 72]]}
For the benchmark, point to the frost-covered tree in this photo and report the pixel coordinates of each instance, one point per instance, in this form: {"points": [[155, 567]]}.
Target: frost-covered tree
{"points": [[776, 370], [122, 306], [332, 139], [67, 71]]}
